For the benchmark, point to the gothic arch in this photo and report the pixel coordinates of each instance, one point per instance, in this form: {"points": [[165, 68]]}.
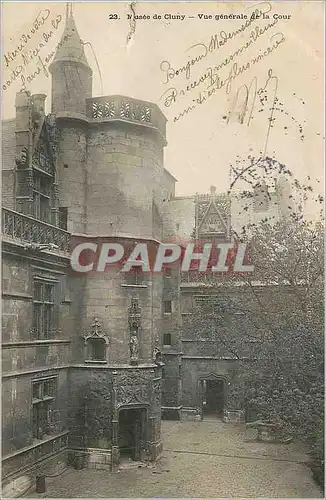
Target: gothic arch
{"points": [[212, 376]]}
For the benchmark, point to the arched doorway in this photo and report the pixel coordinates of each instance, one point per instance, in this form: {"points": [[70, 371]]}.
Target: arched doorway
{"points": [[132, 432], [212, 391]]}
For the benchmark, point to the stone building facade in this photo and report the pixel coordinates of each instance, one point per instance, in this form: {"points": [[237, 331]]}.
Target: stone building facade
{"points": [[83, 381]]}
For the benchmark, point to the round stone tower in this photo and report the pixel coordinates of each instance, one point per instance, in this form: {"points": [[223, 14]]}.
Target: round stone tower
{"points": [[111, 178], [71, 86], [124, 167]]}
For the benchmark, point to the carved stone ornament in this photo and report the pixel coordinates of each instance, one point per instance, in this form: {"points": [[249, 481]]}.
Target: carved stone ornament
{"points": [[157, 391], [134, 315], [212, 212], [134, 326], [22, 158], [202, 207], [134, 347], [132, 389], [157, 356], [96, 332]]}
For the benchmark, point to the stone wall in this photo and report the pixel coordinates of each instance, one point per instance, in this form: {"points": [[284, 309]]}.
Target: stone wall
{"points": [[8, 163], [179, 218], [26, 359], [172, 354], [8, 189], [96, 396], [243, 213], [71, 86], [196, 368], [108, 296], [90, 408], [124, 176], [71, 172]]}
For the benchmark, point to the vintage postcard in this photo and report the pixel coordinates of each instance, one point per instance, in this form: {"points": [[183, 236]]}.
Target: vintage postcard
{"points": [[162, 249]]}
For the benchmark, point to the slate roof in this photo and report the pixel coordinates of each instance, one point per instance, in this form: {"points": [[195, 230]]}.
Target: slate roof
{"points": [[70, 48]]}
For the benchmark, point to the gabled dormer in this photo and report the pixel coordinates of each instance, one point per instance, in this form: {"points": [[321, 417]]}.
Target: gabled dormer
{"points": [[212, 216]]}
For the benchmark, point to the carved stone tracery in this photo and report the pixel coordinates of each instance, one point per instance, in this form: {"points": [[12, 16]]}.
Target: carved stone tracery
{"points": [[96, 331], [132, 388], [157, 391], [212, 213]]}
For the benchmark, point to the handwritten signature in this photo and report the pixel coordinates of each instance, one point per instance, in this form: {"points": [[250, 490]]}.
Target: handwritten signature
{"points": [[216, 42], [211, 72], [215, 82], [39, 21], [246, 96], [32, 56]]}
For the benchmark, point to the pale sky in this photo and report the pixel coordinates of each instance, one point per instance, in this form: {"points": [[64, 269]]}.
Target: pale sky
{"points": [[201, 145]]}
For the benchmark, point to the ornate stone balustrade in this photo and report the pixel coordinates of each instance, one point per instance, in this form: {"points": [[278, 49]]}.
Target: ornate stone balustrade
{"points": [[25, 229], [126, 109]]}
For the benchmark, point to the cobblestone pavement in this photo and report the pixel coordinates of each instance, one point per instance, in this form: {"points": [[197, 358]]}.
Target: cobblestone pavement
{"points": [[200, 459]]}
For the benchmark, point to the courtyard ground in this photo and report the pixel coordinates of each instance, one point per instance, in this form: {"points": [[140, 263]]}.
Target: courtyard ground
{"points": [[200, 459]]}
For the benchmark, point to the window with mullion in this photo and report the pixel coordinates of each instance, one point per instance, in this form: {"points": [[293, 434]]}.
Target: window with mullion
{"points": [[37, 391], [36, 205], [41, 419], [43, 309], [42, 189], [43, 400], [45, 213], [47, 319], [49, 387]]}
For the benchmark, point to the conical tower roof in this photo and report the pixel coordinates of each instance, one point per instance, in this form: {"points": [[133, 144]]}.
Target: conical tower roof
{"points": [[70, 48]]}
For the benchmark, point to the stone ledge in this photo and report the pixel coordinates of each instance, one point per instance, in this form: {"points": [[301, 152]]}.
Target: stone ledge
{"points": [[91, 458], [35, 370], [125, 285], [190, 414], [15, 295], [125, 366], [17, 485], [171, 412], [34, 445], [31, 343]]}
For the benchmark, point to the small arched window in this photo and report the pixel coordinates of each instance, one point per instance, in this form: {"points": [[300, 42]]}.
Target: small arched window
{"points": [[96, 344]]}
